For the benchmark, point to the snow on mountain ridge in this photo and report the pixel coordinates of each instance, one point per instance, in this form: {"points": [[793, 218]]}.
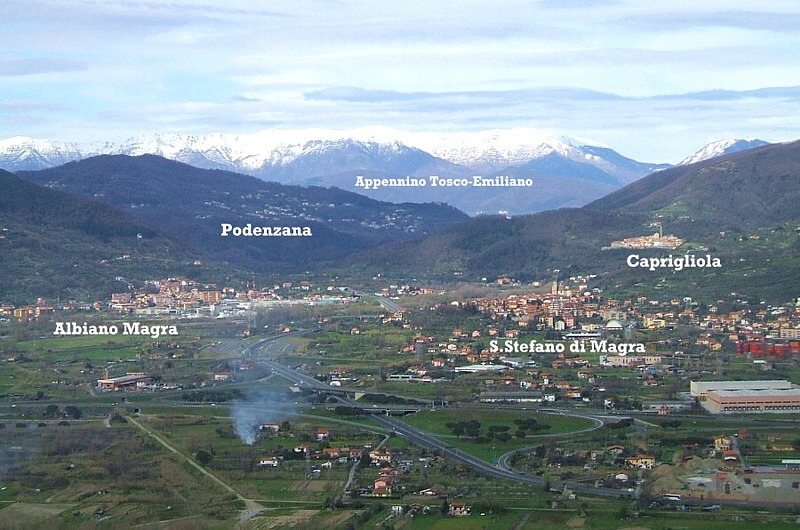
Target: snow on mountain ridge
{"points": [[23, 152], [274, 147], [252, 152], [721, 147], [486, 151], [496, 148]]}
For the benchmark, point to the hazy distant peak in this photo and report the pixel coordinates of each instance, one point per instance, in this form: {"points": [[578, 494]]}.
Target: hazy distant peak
{"points": [[722, 147]]}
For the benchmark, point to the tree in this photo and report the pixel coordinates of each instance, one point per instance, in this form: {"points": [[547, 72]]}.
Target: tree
{"points": [[73, 411], [203, 457], [458, 430]]}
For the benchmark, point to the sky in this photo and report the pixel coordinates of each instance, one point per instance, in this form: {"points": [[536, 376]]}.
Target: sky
{"points": [[653, 80]]}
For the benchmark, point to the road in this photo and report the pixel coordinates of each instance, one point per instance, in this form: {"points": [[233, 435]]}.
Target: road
{"points": [[428, 441], [423, 439], [309, 383], [389, 305]]}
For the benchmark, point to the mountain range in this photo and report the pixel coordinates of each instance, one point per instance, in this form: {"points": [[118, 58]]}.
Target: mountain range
{"points": [[742, 207], [191, 205], [566, 172], [69, 228]]}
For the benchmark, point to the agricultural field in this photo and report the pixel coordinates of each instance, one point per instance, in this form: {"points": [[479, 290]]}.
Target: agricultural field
{"points": [[79, 473]]}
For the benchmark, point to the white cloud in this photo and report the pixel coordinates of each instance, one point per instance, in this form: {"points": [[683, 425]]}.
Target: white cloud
{"points": [[613, 70]]}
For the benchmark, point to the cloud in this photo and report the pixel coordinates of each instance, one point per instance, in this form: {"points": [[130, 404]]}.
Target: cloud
{"points": [[613, 70], [16, 106], [39, 65], [482, 97], [577, 4], [205, 9], [748, 20], [74, 17], [782, 93], [552, 94]]}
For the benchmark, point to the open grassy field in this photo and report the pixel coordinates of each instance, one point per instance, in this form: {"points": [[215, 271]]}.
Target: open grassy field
{"points": [[78, 474], [436, 423]]}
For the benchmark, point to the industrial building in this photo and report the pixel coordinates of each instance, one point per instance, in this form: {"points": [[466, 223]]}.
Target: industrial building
{"points": [[130, 381], [752, 401], [700, 389]]}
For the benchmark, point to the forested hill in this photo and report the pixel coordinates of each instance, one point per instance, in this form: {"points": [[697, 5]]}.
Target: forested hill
{"points": [[754, 188], [191, 204], [56, 244]]}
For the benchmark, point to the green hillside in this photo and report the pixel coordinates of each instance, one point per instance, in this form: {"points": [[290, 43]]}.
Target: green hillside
{"points": [[55, 244], [190, 204], [743, 208]]}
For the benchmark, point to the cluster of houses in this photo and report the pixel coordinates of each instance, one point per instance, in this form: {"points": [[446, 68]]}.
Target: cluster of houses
{"points": [[325, 452], [626, 465], [394, 290], [382, 486], [576, 306], [454, 509], [187, 297], [656, 240], [390, 467], [437, 361], [27, 313]]}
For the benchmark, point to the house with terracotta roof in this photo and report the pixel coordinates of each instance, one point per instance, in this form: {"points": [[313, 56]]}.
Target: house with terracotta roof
{"points": [[322, 435], [382, 487], [730, 457], [458, 509]]}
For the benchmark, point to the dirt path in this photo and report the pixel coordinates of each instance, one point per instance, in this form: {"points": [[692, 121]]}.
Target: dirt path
{"points": [[252, 508]]}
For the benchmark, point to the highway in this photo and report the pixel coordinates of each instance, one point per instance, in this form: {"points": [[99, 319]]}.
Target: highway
{"points": [[309, 383], [268, 349], [428, 441], [389, 305]]}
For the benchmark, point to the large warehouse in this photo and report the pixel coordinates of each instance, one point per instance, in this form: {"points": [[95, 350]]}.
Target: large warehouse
{"points": [[131, 381], [752, 401], [700, 389]]}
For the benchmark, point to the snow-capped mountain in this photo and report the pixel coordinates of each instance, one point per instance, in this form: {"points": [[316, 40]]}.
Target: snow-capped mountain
{"points": [[21, 153], [565, 171], [721, 147], [258, 153]]}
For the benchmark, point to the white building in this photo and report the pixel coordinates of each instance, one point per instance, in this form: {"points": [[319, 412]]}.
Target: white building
{"points": [[700, 389]]}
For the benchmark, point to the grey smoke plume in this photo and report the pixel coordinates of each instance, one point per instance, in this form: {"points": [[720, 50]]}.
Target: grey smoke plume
{"points": [[256, 409]]}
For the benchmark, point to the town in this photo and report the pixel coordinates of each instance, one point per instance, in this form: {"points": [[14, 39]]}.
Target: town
{"points": [[391, 401]]}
